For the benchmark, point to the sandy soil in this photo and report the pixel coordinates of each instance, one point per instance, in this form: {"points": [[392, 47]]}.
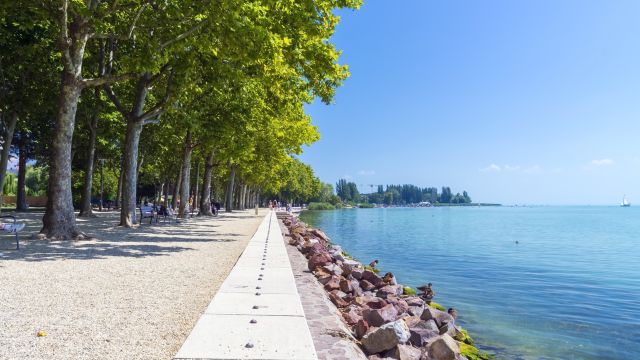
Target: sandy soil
{"points": [[127, 294]]}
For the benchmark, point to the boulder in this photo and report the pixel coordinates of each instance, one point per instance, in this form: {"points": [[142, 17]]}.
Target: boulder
{"points": [[371, 277], [374, 302], [420, 337], [361, 328], [318, 260], [332, 284], [333, 269], [379, 317], [351, 316], [450, 329], [313, 247], [414, 301], [440, 317], [404, 352], [366, 285], [337, 257], [427, 324], [355, 286], [386, 337], [320, 234], [443, 348], [337, 300], [356, 272], [345, 285], [335, 249], [385, 291]]}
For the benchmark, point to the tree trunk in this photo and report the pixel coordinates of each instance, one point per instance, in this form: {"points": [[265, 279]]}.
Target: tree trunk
{"points": [[130, 173], [10, 126], [130, 157], [205, 195], [85, 206], [229, 197], [119, 194], [59, 220], [176, 189], [196, 193], [165, 201], [243, 194], [186, 175], [21, 198]]}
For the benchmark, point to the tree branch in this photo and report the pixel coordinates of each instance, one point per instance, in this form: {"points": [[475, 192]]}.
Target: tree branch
{"points": [[129, 33], [158, 108], [183, 35], [115, 100], [65, 42], [107, 79]]}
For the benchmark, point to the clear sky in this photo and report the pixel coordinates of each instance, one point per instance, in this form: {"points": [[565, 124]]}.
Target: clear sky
{"points": [[518, 102]]}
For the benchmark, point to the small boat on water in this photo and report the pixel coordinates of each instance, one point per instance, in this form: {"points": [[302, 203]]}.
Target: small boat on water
{"points": [[625, 202]]}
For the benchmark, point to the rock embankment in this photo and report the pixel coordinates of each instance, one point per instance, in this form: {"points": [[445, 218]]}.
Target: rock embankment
{"points": [[387, 320]]}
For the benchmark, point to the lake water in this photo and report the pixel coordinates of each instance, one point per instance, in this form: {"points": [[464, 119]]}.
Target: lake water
{"points": [[569, 289]]}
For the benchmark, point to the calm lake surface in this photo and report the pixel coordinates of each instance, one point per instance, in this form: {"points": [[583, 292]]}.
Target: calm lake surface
{"points": [[570, 288]]}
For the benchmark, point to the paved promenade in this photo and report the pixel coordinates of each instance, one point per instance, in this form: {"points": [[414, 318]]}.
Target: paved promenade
{"points": [[257, 313]]}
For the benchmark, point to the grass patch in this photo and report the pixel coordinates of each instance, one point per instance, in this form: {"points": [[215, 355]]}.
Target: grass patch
{"points": [[472, 353], [408, 290], [435, 305]]}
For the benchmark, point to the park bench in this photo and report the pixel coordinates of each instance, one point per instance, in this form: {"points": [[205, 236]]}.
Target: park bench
{"points": [[14, 224], [168, 214], [148, 212]]}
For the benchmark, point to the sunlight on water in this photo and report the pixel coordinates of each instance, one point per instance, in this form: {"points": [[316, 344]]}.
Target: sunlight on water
{"points": [[569, 289]]}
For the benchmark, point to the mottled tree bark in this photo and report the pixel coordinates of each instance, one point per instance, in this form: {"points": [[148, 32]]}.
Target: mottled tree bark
{"points": [[228, 206], [205, 195], [87, 186], [176, 189], [7, 138], [130, 156], [21, 198], [59, 220], [186, 175], [130, 173]]}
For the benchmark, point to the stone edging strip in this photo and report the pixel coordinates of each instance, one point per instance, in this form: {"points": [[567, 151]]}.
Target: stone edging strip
{"points": [[257, 313]]}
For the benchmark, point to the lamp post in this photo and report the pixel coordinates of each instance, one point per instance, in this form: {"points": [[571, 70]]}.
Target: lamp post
{"points": [[101, 161]]}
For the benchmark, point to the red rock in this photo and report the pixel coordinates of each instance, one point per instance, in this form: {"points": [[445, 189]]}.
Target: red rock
{"points": [[318, 260], [404, 352], [420, 336], [444, 348], [337, 301], [332, 284], [414, 301], [320, 234], [357, 272], [361, 328], [351, 317], [385, 291], [440, 317], [379, 317], [375, 302], [366, 285], [345, 285], [314, 248]]}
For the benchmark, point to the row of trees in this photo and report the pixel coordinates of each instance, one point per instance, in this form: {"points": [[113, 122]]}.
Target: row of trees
{"points": [[400, 194], [153, 90]]}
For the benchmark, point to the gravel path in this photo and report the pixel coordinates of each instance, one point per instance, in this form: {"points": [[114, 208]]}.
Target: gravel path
{"points": [[128, 294]]}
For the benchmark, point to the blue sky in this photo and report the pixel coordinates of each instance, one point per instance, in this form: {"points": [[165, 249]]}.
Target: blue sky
{"points": [[518, 102]]}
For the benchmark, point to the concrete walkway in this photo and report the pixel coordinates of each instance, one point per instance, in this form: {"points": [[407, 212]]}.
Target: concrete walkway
{"points": [[257, 313]]}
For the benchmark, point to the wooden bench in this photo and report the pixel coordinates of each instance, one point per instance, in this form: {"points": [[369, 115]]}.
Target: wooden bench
{"points": [[14, 224], [148, 212]]}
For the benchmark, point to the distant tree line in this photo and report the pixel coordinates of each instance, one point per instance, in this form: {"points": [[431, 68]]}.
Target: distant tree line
{"points": [[400, 194]]}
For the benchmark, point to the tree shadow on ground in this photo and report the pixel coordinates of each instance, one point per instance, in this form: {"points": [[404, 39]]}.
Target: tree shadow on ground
{"points": [[109, 240]]}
